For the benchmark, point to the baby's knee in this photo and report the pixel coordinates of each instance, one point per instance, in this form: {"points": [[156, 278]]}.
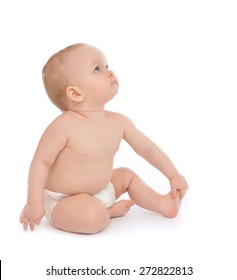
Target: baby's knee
{"points": [[96, 220], [125, 172]]}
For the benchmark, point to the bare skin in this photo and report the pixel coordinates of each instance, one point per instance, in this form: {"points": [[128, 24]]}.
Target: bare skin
{"points": [[75, 156]]}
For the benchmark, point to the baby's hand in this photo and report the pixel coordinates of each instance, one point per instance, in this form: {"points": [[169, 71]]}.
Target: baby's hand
{"points": [[31, 215], [178, 185]]}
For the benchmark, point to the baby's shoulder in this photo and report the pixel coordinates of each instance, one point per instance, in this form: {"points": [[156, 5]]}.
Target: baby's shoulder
{"points": [[117, 116], [63, 121], [121, 119]]}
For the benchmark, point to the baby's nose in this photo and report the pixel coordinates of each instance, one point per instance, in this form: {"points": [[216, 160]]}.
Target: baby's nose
{"points": [[110, 73]]}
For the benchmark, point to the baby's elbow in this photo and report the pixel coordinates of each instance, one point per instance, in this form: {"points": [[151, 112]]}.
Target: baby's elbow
{"points": [[42, 162]]}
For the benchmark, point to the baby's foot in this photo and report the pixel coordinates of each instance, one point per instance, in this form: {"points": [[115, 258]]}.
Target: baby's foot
{"points": [[120, 208], [171, 205]]}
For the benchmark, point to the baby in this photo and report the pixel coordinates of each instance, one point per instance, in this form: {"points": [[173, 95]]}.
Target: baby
{"points": [[71, 178]]}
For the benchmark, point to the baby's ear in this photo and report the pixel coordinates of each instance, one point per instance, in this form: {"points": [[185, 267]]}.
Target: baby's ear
{"points": [[74, 94]]}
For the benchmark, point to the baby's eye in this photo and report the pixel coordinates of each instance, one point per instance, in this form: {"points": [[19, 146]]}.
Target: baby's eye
{"points": [[97, 68]]}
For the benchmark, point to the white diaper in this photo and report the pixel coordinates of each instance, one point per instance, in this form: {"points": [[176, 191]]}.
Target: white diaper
{"points": [[106, 196]]}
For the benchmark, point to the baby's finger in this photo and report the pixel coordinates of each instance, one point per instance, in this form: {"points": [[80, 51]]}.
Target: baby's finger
{"points": [[21, 218], [173, 193], [32, 225], [25, 223]]}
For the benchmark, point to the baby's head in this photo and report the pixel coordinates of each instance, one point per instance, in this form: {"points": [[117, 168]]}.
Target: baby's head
{"points": [[56, 75], [66, 76]]}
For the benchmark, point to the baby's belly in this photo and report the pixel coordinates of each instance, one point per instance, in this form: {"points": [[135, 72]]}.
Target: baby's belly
{"points": [[73, 182]]}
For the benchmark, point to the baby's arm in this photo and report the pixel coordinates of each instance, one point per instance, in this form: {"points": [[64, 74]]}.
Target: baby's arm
{"points": [[155, 156], [51, 143]]}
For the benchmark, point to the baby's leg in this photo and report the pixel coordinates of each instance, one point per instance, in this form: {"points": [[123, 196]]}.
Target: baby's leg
{"points": [[125, 180], [80, 213]]}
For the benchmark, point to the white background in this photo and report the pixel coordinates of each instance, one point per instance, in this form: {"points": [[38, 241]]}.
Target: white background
{"points": [[177, 65]]}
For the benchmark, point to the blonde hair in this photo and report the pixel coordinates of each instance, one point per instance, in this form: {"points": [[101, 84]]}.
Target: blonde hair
{"points": [[56, 76]]}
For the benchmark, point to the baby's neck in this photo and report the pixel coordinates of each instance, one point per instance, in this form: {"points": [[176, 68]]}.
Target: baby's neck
{"points": [[93, 115]]}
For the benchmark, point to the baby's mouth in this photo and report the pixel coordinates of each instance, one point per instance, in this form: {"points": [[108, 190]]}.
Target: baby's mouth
{"points": [[115, 82]]}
